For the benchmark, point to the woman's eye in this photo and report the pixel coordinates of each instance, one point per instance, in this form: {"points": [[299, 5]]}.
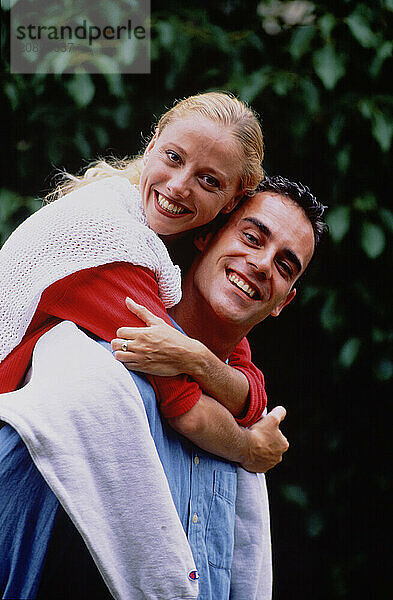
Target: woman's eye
{"points": [[211, 181], [173, 156]]}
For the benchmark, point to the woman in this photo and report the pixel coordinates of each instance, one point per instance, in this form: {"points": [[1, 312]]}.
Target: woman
{"points": [[204, 156]]}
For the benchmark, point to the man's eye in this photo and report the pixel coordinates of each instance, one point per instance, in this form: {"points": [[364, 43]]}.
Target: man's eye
{"points": [[251, 238], [211, 181], [284, 266], [173, 156]]}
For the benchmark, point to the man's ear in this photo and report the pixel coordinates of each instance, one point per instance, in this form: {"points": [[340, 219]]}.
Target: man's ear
{"points": [[150, 145], [231, 204], [201, 240], [284, 303]]}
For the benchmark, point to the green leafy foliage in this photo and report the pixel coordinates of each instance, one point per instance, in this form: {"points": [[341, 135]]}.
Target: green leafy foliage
{"points": [[320, 75]]}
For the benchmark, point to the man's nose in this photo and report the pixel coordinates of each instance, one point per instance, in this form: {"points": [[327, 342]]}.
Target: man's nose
{"points": [[262, 261], [179, 184]]}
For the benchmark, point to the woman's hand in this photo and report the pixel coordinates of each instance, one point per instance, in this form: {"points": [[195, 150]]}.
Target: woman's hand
{"points": [[157, 349]]}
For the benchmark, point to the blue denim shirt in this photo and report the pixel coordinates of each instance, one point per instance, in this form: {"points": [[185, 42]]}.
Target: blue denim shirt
{"points": [[203, 488]]}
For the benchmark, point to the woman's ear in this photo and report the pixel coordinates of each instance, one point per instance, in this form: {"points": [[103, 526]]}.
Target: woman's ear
{"points": [[150, 145], [202, 239]]}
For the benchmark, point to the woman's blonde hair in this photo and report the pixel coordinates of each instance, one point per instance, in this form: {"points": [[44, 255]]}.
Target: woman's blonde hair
{"points": [[219, 107]]}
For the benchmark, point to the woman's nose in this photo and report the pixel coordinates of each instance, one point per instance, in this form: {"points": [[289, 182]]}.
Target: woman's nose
{"points": [[179, 184]]}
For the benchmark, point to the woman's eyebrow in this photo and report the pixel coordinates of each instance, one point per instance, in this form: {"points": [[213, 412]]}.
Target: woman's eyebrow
{"points": [[176, 146], [220, 174]]}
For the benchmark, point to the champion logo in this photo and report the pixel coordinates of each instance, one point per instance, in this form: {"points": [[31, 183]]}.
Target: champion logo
{"points": [[193, 575]]}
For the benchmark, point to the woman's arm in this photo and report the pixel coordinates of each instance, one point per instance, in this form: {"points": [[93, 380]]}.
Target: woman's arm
{"points": [[211, 427], [159, 349]]}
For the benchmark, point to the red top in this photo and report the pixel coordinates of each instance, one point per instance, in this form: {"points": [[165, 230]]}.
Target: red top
{"points": [[95, 299]]}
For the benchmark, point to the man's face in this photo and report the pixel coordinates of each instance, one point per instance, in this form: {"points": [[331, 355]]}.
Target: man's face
{"points": [[248, 269]]}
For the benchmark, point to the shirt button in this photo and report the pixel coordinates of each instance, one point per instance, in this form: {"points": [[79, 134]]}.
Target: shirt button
{"points": [[195, 518], [196, 460]]}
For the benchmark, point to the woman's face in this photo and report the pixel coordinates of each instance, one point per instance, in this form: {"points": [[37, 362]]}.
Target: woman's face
{"points": [[192, 172]]}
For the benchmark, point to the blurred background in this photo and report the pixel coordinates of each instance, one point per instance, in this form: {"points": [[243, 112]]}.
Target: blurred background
{"points": [[320, 76]]}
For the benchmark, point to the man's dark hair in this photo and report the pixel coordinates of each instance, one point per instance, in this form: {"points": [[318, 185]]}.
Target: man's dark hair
{"points": [[301, 195]]}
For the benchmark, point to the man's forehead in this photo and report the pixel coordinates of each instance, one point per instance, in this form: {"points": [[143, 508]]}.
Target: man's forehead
{"points": [[259, 204]]}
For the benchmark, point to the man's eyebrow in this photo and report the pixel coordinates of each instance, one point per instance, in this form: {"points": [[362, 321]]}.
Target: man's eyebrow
{"points": [[261, 226], [267, 232]]}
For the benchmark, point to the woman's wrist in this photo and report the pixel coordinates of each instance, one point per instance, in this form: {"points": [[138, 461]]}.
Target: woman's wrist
{"points": [[196, 359]]}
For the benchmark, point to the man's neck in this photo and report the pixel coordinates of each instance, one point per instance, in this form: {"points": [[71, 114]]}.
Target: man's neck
{"points": [[198, 321]]}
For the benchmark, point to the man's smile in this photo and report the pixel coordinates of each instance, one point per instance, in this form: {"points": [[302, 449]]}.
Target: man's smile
{"points": [[169, 206], [244, 285]]}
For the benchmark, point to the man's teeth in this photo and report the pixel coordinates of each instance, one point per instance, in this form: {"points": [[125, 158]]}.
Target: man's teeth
{"points": [[175, 210], [241, 284]]}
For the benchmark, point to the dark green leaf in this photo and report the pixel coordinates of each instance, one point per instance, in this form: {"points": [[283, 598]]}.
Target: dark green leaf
{"points": [[282, 83], [10, 202], [12, 95], [301, 40], [384, 369], [387, 218], [115, 84], [361, 31], [338, 219], [315, 525], [102, 136], [326, 24], [331, 317], [254, 84], [295, 494], [108, 66], [383, 52], [82, 144], [382, 128], [365, 203], [122, 115], [127, 51], [81, 89], [335, 129], [329, 66], [343, 159], [372, 240], [349, 352]]}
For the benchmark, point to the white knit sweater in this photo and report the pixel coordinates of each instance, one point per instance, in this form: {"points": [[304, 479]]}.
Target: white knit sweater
{"points": [[100, 223]]}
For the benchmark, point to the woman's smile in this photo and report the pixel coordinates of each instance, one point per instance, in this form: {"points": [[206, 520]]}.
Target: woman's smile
{"points": [[169, 206]]}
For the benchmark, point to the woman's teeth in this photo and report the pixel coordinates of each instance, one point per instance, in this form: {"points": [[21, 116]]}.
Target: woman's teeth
{"points": [[168, 206], [233, 278]]}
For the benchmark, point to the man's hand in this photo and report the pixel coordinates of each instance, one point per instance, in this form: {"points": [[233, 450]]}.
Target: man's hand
{"points": [[158, 348], [266, 442]]}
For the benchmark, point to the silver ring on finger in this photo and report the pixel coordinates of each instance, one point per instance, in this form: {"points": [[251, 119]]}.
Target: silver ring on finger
{"points": [[124, 346]]}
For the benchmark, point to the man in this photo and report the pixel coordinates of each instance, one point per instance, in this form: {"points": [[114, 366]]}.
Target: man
{"points": [[267, 245], [244, 273]]}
